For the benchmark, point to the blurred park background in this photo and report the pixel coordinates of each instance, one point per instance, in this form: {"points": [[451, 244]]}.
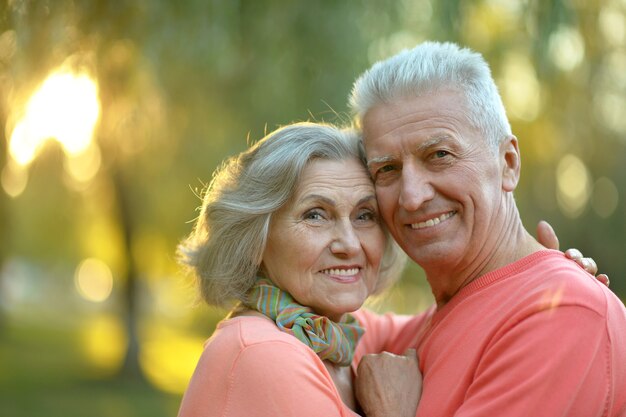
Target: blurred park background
{"points": [[115, 113]]}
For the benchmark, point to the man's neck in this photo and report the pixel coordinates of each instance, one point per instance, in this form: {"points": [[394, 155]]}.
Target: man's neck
{"points": [[511, 242]]}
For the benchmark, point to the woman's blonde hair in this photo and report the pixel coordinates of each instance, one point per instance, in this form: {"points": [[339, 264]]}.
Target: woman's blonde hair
{"points": [[225, 248]]}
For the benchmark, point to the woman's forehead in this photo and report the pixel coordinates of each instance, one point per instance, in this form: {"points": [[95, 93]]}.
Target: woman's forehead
{"points": [[347, 178]]}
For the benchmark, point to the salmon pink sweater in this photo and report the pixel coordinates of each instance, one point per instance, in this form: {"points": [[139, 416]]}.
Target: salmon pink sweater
{"points": [[539, 337]]}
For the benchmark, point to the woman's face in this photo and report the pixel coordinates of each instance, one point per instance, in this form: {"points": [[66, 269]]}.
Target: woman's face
{"points": [[325, 245]]}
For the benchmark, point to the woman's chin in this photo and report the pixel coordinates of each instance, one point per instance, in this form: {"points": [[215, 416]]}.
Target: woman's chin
{"points": [[341, 309]]}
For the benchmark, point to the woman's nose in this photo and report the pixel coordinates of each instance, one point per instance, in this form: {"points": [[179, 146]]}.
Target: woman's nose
{"points": [[346, 241]]}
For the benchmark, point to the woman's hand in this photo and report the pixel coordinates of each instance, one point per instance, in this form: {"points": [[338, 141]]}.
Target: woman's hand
{"points": [[388, 384], [547, 237]]}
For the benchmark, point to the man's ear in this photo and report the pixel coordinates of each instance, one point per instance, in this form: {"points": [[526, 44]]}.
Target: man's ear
{"points": [[511, 163]]}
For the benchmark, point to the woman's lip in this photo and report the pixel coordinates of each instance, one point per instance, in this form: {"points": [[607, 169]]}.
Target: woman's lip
{"points": [[341, 270], [344, 275]]}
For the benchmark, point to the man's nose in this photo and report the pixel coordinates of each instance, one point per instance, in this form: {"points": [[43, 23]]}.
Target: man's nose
{"points": [[416, 188]]}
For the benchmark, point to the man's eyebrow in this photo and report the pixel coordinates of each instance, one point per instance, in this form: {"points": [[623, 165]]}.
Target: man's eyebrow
{"points": [[379, 160], [435, 140]]}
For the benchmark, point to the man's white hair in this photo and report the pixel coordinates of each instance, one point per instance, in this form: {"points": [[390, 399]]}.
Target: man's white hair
{"points": [[431, 67]]}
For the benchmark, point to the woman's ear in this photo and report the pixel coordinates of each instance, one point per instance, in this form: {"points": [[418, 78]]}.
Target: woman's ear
{"points": [[511, 163]]}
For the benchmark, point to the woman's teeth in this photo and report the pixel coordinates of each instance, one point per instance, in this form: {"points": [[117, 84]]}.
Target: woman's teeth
{"points": [[344, 272]]}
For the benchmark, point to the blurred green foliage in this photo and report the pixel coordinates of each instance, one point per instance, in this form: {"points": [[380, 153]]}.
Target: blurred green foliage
{"points": [[182, 85]]}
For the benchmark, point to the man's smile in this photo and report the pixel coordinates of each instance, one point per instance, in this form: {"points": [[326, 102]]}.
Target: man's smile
{"points": [[432, 222]]}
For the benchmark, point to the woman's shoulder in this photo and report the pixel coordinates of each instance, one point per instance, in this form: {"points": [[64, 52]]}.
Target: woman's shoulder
{"points": [[247, 334], [255, 348], [247, 362]]}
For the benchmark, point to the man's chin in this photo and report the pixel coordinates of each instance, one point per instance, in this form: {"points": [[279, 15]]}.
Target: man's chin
{"points": [[431, 255]]}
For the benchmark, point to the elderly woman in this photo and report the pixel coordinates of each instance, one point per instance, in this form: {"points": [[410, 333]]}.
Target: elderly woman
{"points": [[290, 229]]}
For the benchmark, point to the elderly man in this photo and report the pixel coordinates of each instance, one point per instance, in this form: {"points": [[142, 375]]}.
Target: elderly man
{"points": [[517, 330]]}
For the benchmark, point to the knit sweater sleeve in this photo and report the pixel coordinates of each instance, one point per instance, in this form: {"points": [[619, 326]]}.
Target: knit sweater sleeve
{"points": [[386, 332], [566, 347]]}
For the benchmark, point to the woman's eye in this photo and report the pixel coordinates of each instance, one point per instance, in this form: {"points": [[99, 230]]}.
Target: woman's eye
{"points": [[313, 215], [366, 215]]}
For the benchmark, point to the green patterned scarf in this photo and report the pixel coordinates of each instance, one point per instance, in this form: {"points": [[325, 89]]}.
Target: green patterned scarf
{"points": [[331, 341]]}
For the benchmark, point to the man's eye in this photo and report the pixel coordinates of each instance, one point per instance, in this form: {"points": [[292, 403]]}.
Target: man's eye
{"points": [[385, 168], [441, 154]]}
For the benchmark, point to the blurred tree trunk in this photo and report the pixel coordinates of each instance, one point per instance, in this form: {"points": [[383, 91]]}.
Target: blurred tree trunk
{"points": [[5, 236], [131, 366]]}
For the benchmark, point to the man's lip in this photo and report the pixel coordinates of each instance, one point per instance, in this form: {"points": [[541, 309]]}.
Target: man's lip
{"points": [[430, 221]]}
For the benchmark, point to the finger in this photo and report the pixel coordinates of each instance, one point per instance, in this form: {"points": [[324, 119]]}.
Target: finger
{"points": [[365, 361], [410, 352], [590, 266], [604, 278], [575, 255], [546, 235]]}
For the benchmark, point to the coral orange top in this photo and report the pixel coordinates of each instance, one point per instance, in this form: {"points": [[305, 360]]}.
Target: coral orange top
{"points": [[250, 368], [539, 337]]}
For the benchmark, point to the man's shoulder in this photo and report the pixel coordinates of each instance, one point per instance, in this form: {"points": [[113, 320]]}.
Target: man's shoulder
{"points": [[555, 281]]}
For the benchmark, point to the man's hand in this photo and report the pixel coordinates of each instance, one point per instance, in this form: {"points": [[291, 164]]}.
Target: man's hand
{"points": [[547, 237], [389, 385]]}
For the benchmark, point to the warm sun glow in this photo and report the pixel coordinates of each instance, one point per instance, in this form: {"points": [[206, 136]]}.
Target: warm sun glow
{"points": [[65, 108], [573, 185], [168, 358], [94, 280], [103, 342]]}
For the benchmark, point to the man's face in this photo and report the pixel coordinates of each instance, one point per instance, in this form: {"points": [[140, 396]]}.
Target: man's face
{"points": [[439, 186]]}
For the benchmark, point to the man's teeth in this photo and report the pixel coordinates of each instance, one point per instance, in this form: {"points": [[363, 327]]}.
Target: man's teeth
{"points": [[432, 222], [346, 272]]}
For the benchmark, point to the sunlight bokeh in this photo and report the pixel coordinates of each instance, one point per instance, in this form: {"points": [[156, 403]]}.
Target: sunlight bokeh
{"points": [[14, 178], [83, 167], [573, 185], [567, 48], [168, 358], [611, 22], [605, 197], [521, 90], [64, 108], [104, 342], [93, 280]]}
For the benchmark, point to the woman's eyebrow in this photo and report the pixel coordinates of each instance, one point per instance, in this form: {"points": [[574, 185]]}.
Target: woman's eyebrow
{"points": [[318, 197], [330, 202], [366, 199]]}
